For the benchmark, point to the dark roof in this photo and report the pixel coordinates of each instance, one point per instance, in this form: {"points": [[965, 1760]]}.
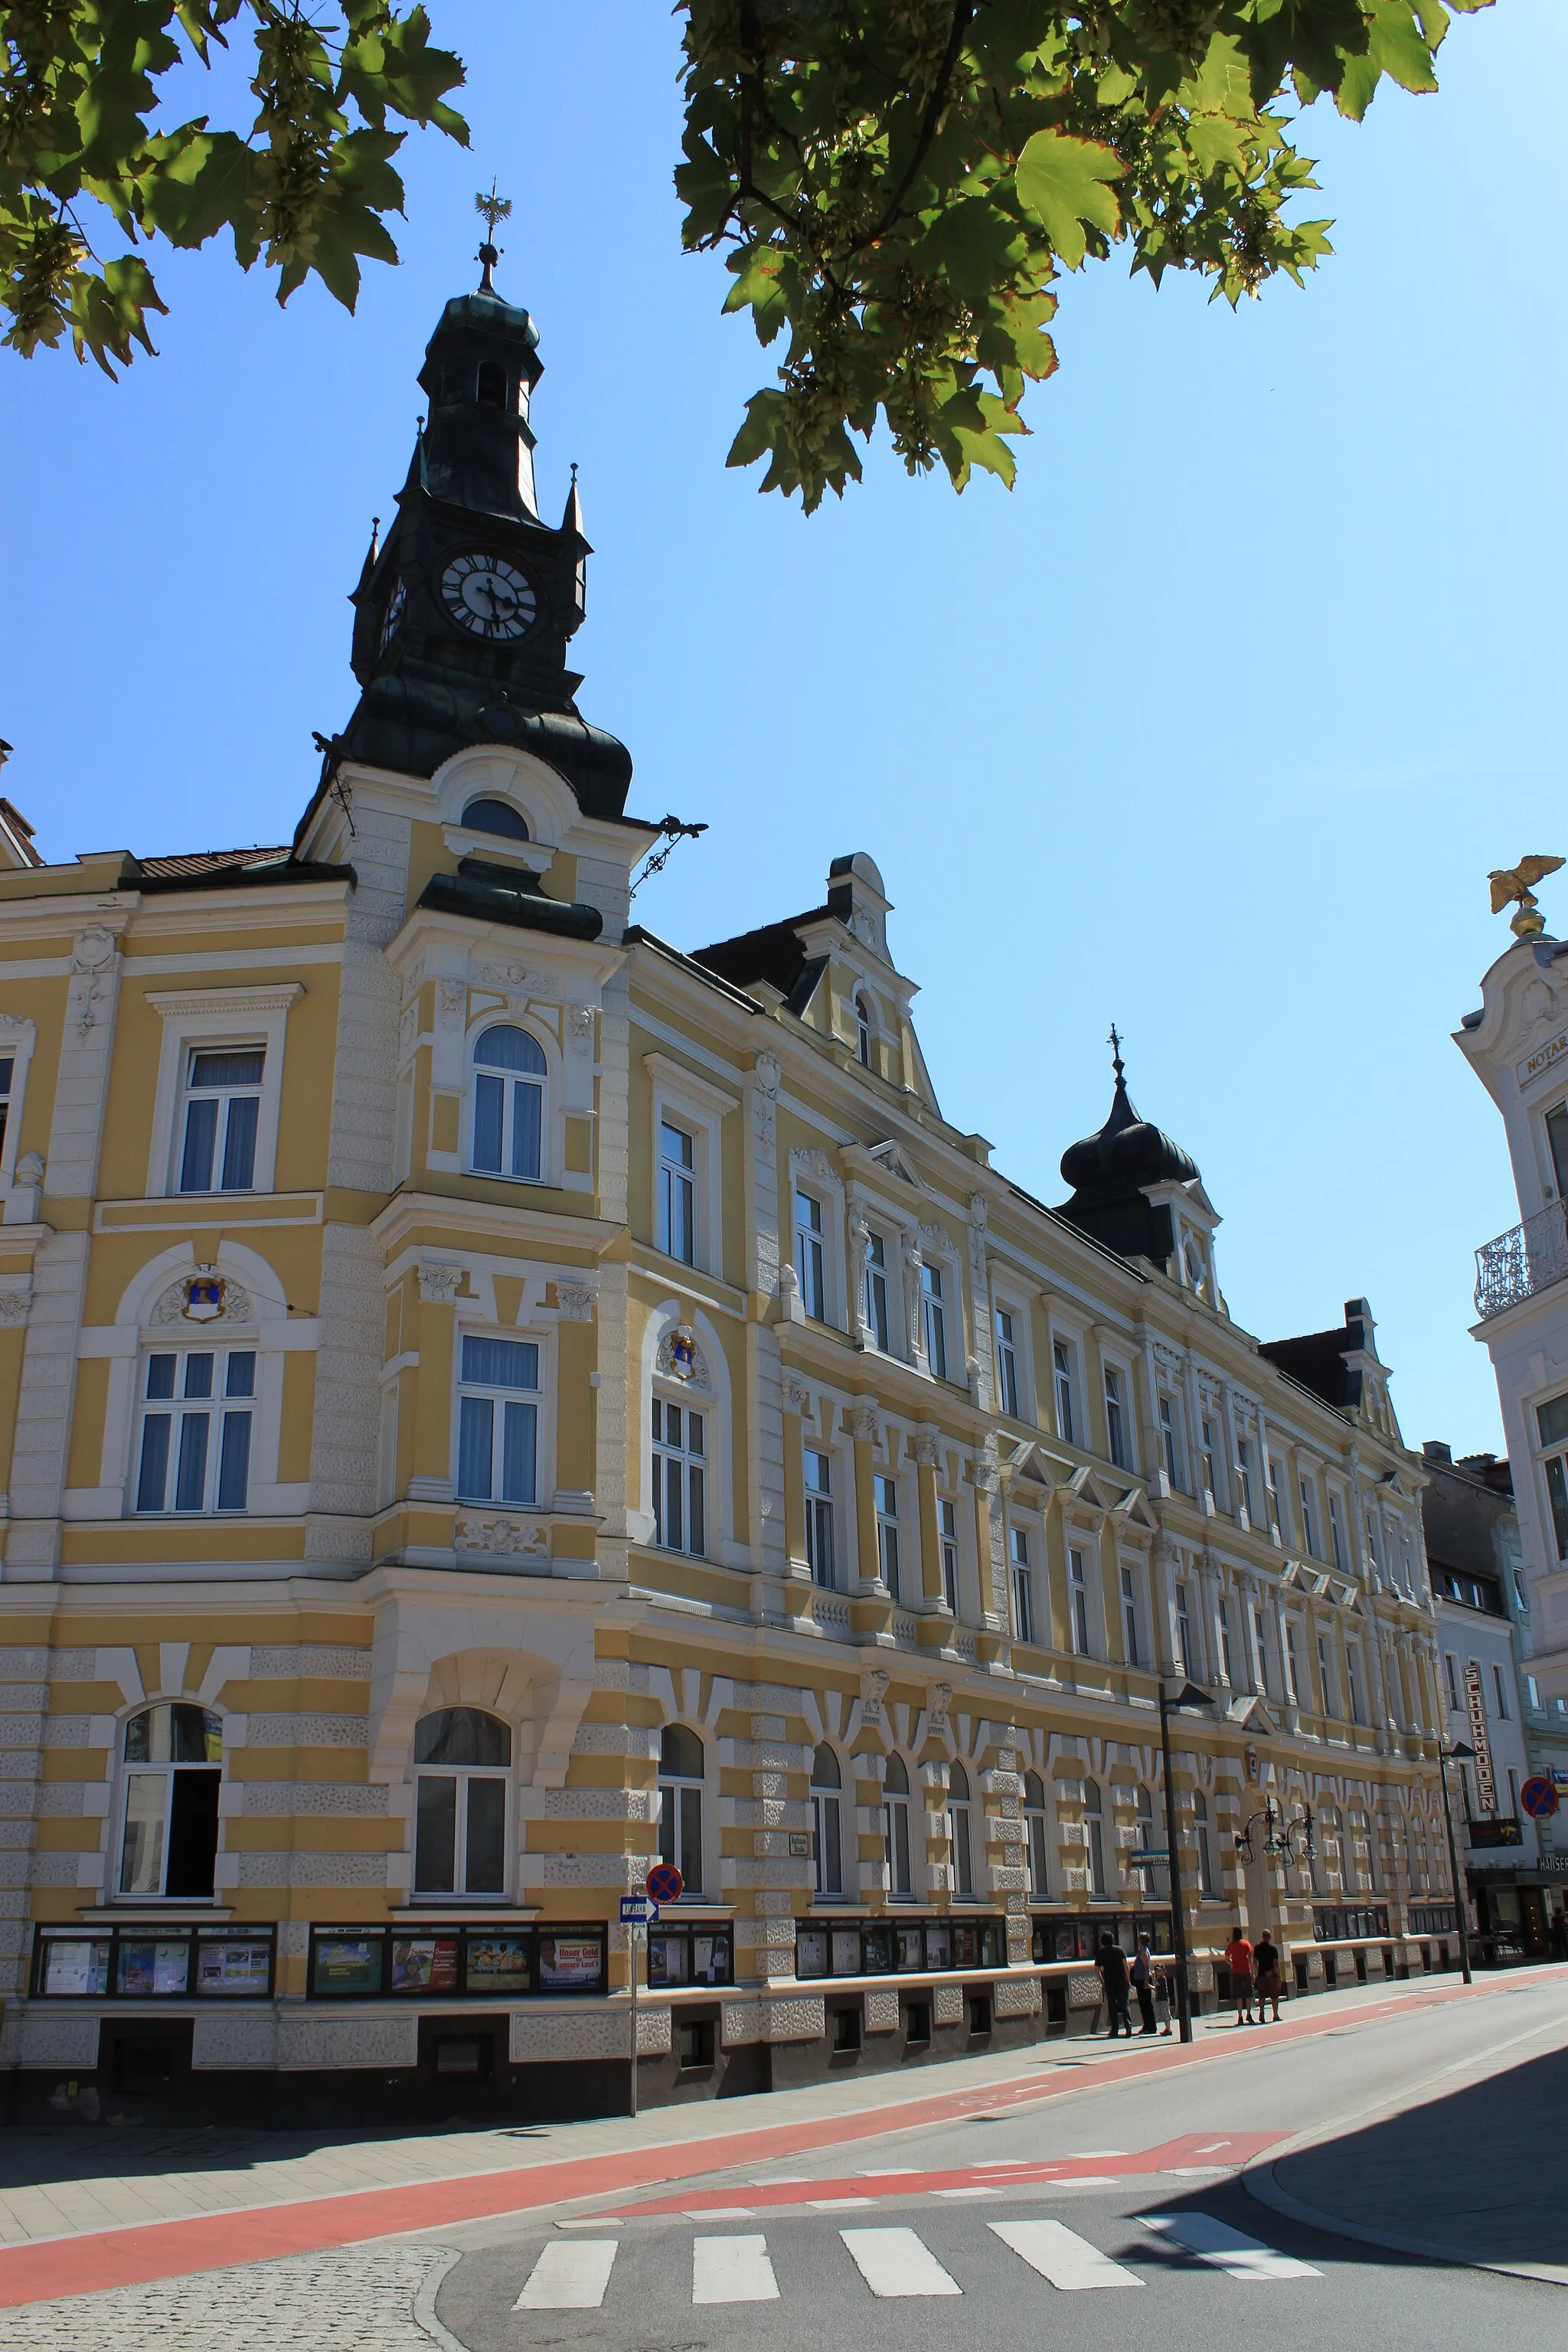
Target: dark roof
{"points": [[207, 869], [1315, 1360], [775, 953], [489, 893], [1110, 1171]]}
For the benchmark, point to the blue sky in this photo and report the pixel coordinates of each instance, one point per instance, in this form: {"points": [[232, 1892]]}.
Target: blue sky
{"points": [[1215, 725]]}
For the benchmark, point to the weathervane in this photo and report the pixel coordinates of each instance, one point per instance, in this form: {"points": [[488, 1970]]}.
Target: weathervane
{"points": [[1514, 882], [1114, 1041], [491, 209]]}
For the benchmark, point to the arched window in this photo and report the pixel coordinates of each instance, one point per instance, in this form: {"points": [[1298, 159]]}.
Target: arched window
{"points": [[508, 1104], [680, 1803], [1035, 1832], [1094, 1840], [1205, 1844], [827, 1815], [863, 1031], [895, 1826], [174, 1763], [498, 818], [462, 1760], [491, 387], [960, 1830]]}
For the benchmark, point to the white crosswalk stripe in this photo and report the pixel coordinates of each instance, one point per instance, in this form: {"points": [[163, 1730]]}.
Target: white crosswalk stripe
{"points": [[1060, 2255], [898, 2262], [1228, 2250], [732, 2269], [571, 2274]]}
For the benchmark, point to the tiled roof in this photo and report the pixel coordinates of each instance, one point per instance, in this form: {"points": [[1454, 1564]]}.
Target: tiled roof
{"points": [[204, 861]]}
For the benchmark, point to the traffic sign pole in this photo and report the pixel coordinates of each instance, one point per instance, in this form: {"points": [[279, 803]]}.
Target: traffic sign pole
{"points": [[634, 1938]]}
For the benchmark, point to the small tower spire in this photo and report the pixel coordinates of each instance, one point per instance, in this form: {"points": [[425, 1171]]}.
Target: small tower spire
{"points": [[491, 209], [1114, 1041]]}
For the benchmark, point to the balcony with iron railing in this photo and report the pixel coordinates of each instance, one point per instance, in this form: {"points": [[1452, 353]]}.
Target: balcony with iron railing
{"points": [[1528, 1258]]}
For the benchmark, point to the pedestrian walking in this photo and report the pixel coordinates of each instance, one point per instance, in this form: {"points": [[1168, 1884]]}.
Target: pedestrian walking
{"points": [[1239, 1961], [1144, 1984], [1163, 1999], [1111, 1962], [1266, 1967]]}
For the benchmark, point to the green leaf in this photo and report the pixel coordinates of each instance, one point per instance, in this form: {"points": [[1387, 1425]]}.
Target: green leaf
{"points": [[1396, 46], [1062, 183]]}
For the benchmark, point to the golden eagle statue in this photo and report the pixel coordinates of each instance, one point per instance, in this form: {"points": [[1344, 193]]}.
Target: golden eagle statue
{"points": [[1515, 883]]}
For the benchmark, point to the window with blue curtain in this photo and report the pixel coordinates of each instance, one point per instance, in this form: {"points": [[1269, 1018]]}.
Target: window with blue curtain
{"points": [[508, 1104], [497, 1420]]}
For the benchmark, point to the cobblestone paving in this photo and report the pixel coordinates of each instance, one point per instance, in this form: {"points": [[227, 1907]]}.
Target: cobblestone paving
{"points": [[356, 2299]]}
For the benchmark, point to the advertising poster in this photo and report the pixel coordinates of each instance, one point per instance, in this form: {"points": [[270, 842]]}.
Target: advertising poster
{"points": [[569, 1963], [846, 1951], [348, 1964], [73, 1967], [233, 1968], [710, 1959], [425, 1964], [666, 1958], [499, 1964], [811, 1952], [153, 1967]]}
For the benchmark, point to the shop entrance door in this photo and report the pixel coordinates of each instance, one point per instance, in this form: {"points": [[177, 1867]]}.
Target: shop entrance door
{"points": [[1532, 1920]]}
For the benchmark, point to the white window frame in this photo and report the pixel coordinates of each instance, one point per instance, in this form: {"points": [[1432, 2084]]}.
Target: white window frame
{"points": [[1122, 1375], [1096, 1869], [1172, 1440], [1339, 1547], [865, 1029], [948, 1546], [675, 1208], [1184, 1633], [884, 1271], [699, 1109], [1080, 1620], [934, 1305], [1065, 1391], [1021, 1585], [464, 1775], [1292, 1664], [827, 1825], [898, 1835], [543, 1431], [1038, 1839], [1204, 1842], [226, 1097], [1131, 1613], [216, 1409], [1244, 1492], [1500, 1690], [1009, 1372], [1309, 1520], [820, 1513], [671, 1825], [694, 1470], [889, 1554], [125, 1767], [811, 1254], [208, 1020], [810, 1173], [17, 1040], [961, 1833]]}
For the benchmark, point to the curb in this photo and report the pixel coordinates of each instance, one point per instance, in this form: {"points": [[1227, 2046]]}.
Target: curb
{"points": [[1263, 2185]]}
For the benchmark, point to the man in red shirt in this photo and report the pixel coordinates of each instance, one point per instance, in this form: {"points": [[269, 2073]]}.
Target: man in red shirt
{"points": [[1239, 1961]]}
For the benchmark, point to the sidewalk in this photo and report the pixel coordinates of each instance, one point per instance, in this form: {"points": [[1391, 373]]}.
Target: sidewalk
{"points": [[184, 2202]]}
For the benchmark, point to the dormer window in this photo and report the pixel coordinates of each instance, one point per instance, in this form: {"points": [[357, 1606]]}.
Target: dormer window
{"points": [[496, 817], [863, 1032], [490, 389]]}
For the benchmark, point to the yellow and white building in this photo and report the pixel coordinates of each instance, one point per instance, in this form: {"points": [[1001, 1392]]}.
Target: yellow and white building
{"points": [[486, 1398]]}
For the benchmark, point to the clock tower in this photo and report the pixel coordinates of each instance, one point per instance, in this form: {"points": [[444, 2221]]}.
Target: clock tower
{"points": [[464, 614]]}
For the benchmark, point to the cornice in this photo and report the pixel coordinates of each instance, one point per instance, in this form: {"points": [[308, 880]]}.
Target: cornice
{"points": [[407, 1219]]}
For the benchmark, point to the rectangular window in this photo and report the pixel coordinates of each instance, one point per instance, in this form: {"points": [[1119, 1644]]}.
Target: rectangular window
{"points": [[1227, 1655], [1337, 1534], [1324, 1679], [1168, 1440], [1007, 1363], [497, 1420], [1023, 1587], [947, 1531], [809, 1264], [1374, 1548], [1244, 1472], [1130, 1616], [1353, 1670], [1451, 1674], [1116, 1419], [194, 1446], [1293, 1665], [819, 1514], [933, 1310], [1077, 1602], [887, 1498], [877, 1319], [679, 1479], [7, 1077], [222, 1104], [1309, 1522], [1275, 1516], [1557, 1138], [1500, 1688], [1211, 1485], [1061, 1362], [1183, 1632], [1260, 1651], [1552, 1421], [676, 1193]]}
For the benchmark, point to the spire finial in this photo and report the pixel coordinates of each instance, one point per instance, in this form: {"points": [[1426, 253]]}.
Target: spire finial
{"points": [[1114, 1041], [492, 210], [574, 473]]}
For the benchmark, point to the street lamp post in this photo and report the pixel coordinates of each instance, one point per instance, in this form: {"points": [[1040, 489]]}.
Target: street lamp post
{"points": [[1458, 1754], [1188, 1695]]}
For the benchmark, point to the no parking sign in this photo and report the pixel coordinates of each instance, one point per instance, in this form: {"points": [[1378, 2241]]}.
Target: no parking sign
{"points": [[1539, 1799]]}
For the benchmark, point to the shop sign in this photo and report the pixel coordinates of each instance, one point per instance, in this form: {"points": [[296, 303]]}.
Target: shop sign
{"points": [[1476, 1706]]}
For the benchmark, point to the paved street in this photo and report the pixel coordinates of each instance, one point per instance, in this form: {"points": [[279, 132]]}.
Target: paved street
{"points": [[1072, 2171]]}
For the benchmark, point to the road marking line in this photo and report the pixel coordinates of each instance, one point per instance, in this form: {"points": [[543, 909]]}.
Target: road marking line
{"points": [[836, 2204], [721, 2213], [593, 2222], [966, 2192], [570, 2276], [1226, 2249], [1060, 2255], [898, 2262], [732, 2269]]}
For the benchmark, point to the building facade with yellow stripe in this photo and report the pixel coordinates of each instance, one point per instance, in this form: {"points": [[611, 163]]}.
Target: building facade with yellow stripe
{"points": [[488, 1400]]}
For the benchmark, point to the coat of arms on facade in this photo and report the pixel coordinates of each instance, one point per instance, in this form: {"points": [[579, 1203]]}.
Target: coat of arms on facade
{"points": [[206, 1298], [682, 1348]]}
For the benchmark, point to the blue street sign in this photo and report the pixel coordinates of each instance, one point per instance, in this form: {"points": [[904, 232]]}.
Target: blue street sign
{"points": [[637, 1911]]}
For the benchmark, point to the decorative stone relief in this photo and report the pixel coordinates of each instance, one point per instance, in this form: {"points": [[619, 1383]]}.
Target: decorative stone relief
{"points": [[438, 1283], [796, 1395], [521, 978], [16, 1301], [941, 1700], [1169, 1360], [92, 973], [451, 1003], [513, 1539], [765, 1080], [575, 1301], [680, 1358], [579, 1030], [203, 1297], [873, 1691], [927, 1448], [864, 1425], [812, 1163]]}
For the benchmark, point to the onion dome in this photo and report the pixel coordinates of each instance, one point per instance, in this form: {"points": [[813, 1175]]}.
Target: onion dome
{"points": [[1111, 1171]]}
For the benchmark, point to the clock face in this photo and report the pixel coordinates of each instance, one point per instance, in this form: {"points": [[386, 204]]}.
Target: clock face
{"points": [[395, 604], [489, 597]]}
